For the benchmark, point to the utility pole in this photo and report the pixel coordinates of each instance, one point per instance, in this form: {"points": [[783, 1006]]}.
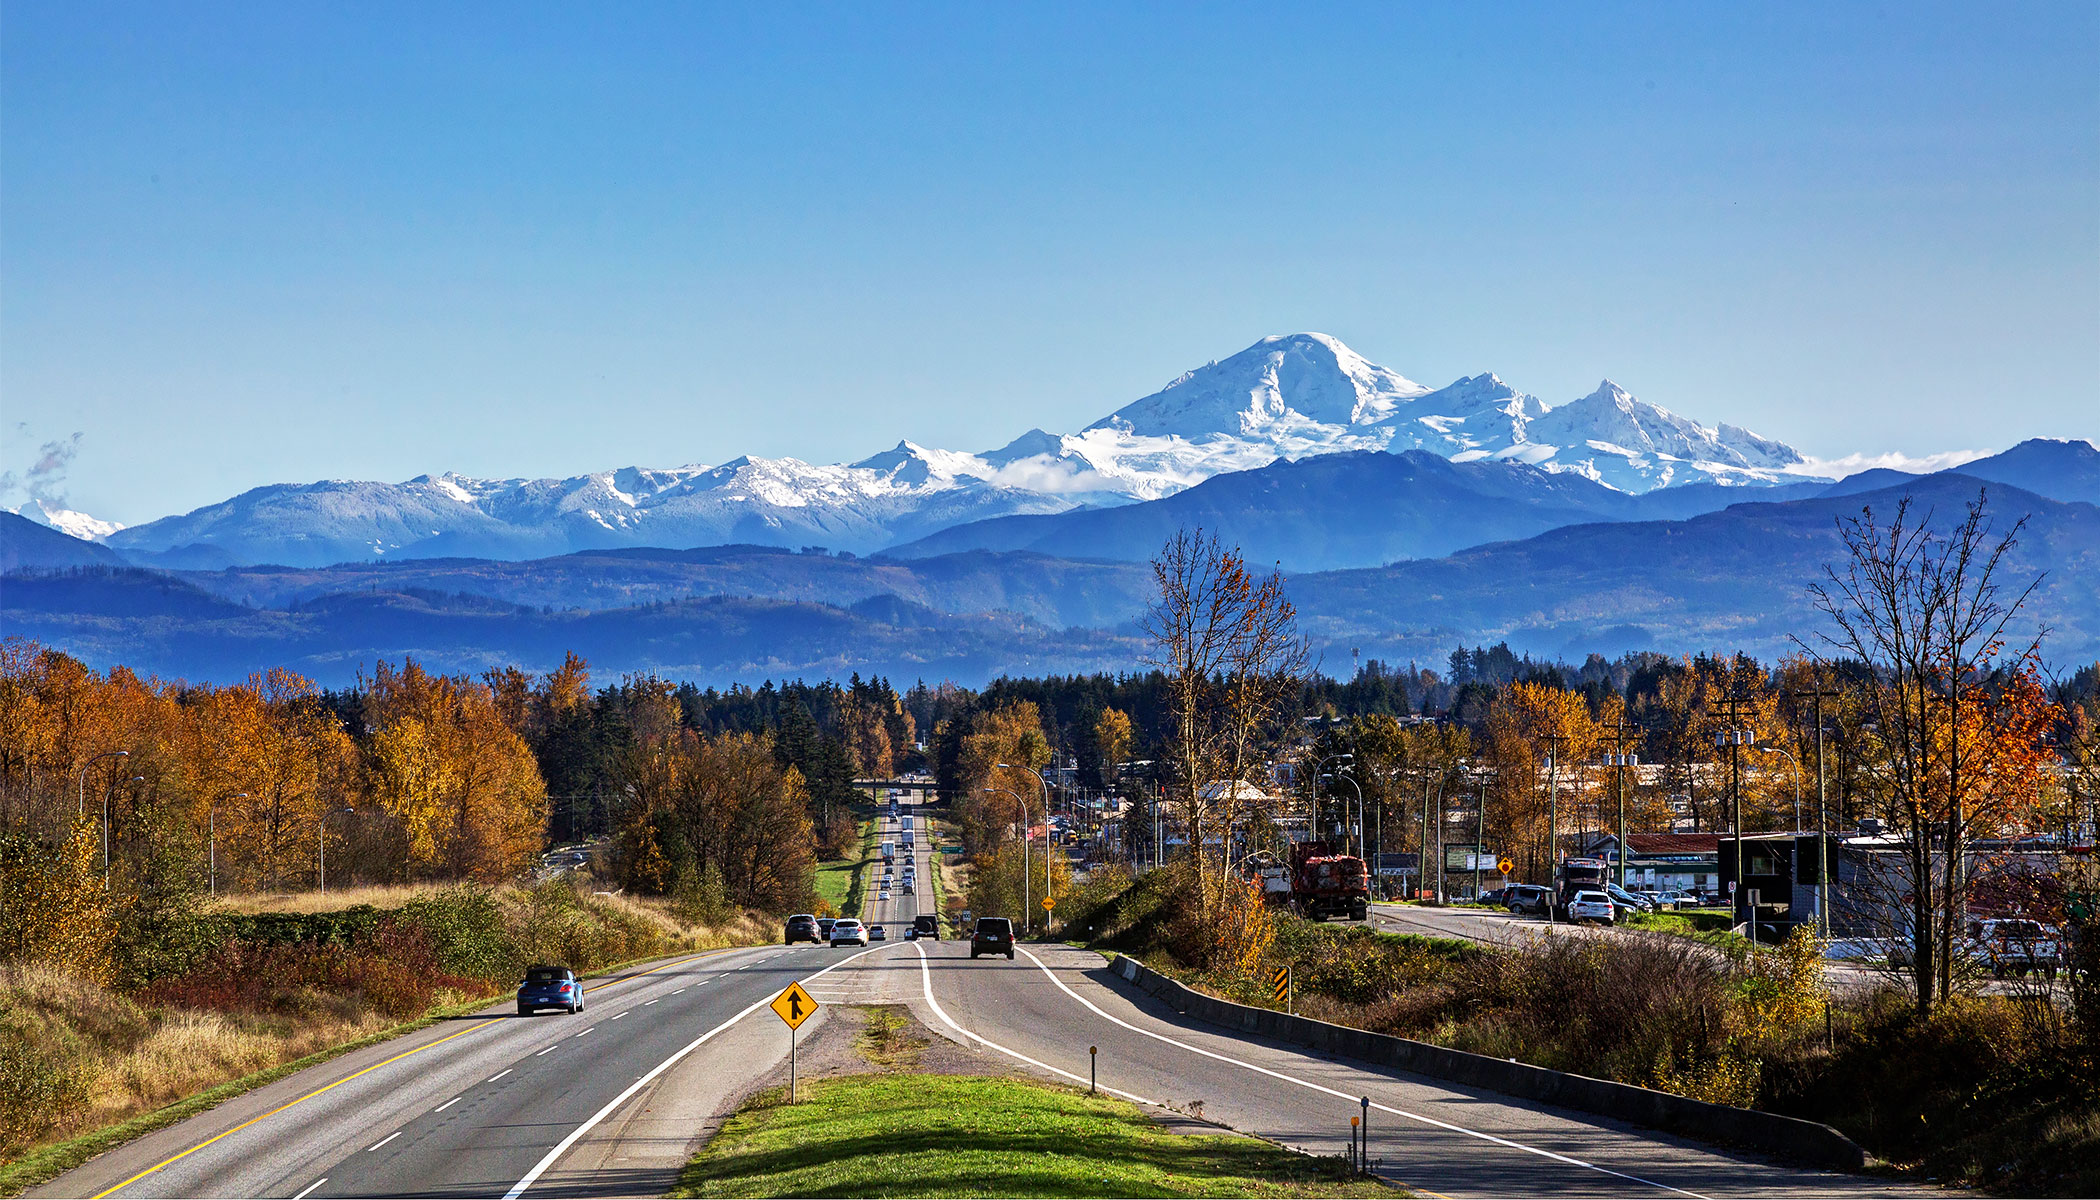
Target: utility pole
{"points": [[1553, 742], [1623, 735], [1735, 737], [1818, 693]]}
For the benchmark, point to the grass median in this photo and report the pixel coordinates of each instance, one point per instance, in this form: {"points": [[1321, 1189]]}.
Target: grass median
{"points": [[957, 1135]]}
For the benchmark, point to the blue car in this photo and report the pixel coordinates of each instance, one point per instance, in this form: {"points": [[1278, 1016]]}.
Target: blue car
{"points": [[549, 987]]}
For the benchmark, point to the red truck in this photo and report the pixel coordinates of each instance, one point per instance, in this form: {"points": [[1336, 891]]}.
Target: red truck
{"points": [[1325, 884]]}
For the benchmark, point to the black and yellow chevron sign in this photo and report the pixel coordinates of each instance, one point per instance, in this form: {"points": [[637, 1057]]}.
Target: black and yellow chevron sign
{"points": [[1280, 979]]}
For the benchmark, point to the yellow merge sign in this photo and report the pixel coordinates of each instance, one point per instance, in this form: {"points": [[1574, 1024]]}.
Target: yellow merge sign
{"points": [[794, 1006]]}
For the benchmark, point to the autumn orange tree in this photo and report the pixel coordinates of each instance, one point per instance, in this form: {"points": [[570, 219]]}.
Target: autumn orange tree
{"points": [[1958, 714], [457, 780]]}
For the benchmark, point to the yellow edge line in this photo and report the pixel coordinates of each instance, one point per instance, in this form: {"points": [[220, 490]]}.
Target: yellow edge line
{"points": [[280, 1108], [374, 1067]]}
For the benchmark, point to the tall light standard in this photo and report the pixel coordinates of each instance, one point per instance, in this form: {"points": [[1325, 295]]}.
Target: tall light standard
{"points": [[1027, 895], [1797, 779], [321, 841], [1045, 785], [1318, 768], [1622, 759], [81, 802], [211, 825], [1344, 773], [1818, 693]]}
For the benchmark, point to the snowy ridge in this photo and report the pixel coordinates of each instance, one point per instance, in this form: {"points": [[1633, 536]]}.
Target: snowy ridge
{"points": [[1285, 397]]}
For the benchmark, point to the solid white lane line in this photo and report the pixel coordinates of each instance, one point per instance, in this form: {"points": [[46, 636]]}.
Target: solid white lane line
{"points": [[310, 1187], [382, 1141], [1306, 1083], [500, 1074], [926, 981], [448, 1104], [562, 1147]]}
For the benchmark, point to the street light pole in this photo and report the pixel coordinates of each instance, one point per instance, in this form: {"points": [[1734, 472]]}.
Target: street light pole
{"points": [[1622, 759], [1822, 816], [81, 801], [1553, 743], [1027, 896], [1048, 891]]}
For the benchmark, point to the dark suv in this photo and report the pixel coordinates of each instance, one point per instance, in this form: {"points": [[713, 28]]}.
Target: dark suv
{"points": [[802, 927], [926, 925], [549, 987], [993, 935]]}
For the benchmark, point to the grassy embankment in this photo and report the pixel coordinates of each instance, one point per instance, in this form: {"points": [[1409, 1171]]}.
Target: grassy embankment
{"points": [[2001, 1092], [954, 1135], [263, 986], [842, 882]]}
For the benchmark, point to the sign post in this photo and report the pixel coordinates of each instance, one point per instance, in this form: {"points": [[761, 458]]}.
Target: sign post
{"points": [[793, 1007]]}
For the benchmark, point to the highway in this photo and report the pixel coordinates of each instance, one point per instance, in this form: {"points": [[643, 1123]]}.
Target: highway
{"points": [[610, 1102]]}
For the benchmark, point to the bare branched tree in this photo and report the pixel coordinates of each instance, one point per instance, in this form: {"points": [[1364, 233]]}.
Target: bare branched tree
{"points": [[1928, 613], [1228, 645]]}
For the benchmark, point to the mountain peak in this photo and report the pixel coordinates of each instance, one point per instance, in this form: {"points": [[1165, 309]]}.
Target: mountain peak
{"points": [[1281, 383]]}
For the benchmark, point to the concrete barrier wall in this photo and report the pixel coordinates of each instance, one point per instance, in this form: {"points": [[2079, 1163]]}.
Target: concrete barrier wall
{"points": [[1788, 1138]]}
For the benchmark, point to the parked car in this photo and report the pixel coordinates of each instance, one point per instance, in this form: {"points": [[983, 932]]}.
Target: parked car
{"points": [[1528, 898], [2014, 946], [824, 925], [875, 934], [926, 925], [549, 986], [993, 935], [848, 932], [1494, 896], [1591, 906], [1628, 901], [802, 927]]}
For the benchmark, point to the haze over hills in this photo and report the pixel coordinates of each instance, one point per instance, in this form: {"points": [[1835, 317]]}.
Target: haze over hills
{"points": [[1291, 397]]}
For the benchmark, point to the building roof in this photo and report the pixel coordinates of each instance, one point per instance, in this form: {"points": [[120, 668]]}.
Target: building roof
{"points": [[1646, 844]]}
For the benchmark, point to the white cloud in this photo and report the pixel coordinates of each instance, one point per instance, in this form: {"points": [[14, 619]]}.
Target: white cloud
{"points": [[1916, 464], [1041, 473]]}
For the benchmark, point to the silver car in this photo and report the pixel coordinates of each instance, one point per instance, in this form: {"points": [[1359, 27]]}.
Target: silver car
{"points": [[849, 932]]}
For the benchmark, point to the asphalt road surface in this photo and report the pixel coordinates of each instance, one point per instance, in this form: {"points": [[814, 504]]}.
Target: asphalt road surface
{"points": [[612, 1101]]}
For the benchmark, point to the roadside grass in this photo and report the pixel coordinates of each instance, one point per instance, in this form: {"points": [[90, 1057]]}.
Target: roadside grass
{"points": [[840, 882], [89, 1068], [1688, 925], [953, 1135]]}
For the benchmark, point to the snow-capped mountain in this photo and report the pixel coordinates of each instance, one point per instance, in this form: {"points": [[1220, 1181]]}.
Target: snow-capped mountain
{"points": [[1288, 397], [68, 522]]}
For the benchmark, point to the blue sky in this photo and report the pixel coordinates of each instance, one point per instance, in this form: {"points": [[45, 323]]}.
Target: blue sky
{"points": [[251, 243]]}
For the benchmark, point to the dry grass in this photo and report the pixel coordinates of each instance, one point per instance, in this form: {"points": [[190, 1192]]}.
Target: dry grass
{"points": [[334, 900], [122, 1059]]}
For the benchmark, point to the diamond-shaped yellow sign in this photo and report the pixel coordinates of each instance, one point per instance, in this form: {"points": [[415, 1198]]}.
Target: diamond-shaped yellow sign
{"points": [[794, 1006]]}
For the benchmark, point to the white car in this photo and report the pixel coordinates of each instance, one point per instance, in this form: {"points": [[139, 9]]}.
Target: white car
{"points": [[849, 932], [1586, 906]]}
